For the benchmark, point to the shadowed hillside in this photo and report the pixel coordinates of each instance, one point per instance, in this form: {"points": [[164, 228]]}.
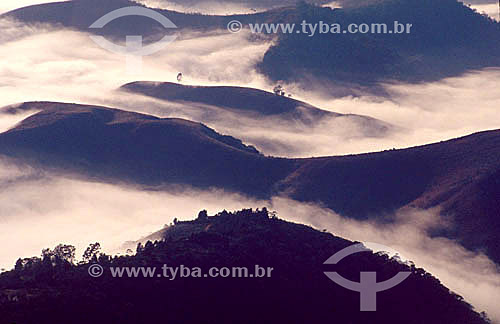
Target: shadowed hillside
{"points": [[193, 5], [114, 144], [240, 98], [296, 290], [80, 14], [447, 38], [253, 101], [460, 176]]}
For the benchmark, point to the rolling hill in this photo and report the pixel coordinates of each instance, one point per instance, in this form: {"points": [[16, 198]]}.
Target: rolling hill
{"points": [[114, 144], [239, 98], [51, 290], [194, 5], [80, 14], [252, 102], [459, 176], [447, 38]]}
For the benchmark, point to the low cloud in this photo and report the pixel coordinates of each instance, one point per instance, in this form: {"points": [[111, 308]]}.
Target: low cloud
{"points": [[39, 210], [489, 8], [205, 7], [78, 70], [8, 121], [226, 7], [425, 113], [471, 275]]}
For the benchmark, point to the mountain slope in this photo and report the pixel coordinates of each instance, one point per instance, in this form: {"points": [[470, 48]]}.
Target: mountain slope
{"points": [[80, 14], [295, 291], [253, 101], [459, 176], [115, 144], [446, 39], [240, 98]]}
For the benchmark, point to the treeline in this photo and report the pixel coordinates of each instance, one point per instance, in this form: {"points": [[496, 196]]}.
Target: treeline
{"points": [[57, 289]]}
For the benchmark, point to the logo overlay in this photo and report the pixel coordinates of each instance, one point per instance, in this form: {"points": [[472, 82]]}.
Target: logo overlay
{"points": [[96, 270], [234, 26], [133, 49], [368, 285]]}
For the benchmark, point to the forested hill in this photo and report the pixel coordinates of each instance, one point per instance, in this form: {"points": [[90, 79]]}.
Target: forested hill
{"points": [[52, 290]]}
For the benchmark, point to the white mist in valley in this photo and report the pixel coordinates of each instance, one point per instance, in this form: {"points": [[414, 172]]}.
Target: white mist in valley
{"points": [[78, 70], [226, 7], [471, 275], [40, 210], [206, 6]]}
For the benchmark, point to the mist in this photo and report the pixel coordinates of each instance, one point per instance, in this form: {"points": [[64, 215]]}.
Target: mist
{"points": [[491, 9], [206, 7], [426, 113], [40, 210], [471, 275], [77, 70], [227, 7]]}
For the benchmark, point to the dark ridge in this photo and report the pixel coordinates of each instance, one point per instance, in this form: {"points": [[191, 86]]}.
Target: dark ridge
{"points": [[80, 14], [251, 101], [447, 39], [112, 144], [459, 176], [240, 98], [51, 290]]}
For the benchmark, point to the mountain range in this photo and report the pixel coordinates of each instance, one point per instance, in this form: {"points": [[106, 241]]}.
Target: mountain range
{"points": [[440, 202], [447, 38], [80, 14], [466, 39], [459, 176]]}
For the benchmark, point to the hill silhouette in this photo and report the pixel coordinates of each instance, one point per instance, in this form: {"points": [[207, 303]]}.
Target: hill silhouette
{"points": [[80, 14], [114, 144], [51, 290], [249, 100], [460, 176], [240, 98], [447, 38]]}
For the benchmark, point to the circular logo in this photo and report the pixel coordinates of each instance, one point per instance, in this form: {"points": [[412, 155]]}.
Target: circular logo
{"points": [[234, 26], [368, 285], [96, 270]]}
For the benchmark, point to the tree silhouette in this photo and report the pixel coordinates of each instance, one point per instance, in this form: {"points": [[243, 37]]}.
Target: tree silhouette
{"points": [[92, 252]]}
